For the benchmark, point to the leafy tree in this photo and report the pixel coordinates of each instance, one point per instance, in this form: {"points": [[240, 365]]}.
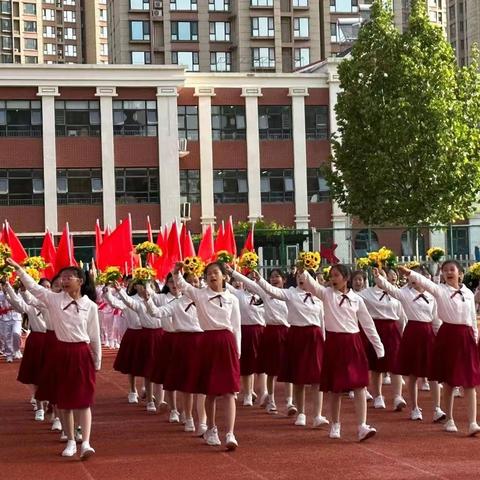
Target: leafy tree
{"points": [[408, 145]]}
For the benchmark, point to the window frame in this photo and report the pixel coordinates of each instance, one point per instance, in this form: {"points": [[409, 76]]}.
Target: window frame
{"points": [[64, 194], [226, 114], [148, 129], [271, 132]]}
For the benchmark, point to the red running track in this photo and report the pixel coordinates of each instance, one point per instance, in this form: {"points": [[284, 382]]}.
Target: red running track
{"points": [[133, 444]]}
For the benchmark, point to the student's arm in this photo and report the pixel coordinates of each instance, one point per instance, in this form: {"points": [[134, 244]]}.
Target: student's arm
{"points": [[159, 312], [235, 320], [424, 282], [113, 301], [275, 292], [189, 290], [15, 300], [473, 314], [368, 326], [385, 285], [436, 322], [31, 300], [129, 301], [93, 332], [312, 286], [43, 294], [249, 284]]}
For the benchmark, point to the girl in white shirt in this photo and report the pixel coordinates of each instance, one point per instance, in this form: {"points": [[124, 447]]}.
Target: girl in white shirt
{"points": [[455, 359], [302, 362], [78, 353], [416, 347], [345, 364], [219, 316]]}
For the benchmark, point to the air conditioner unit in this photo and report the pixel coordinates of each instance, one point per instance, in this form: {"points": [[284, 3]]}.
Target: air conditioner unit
{"points": [[156, 13], [157, 4]]}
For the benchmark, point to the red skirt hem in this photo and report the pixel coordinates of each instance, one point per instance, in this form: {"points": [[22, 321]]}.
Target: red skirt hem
{"points": [[47, 380], [144, 360], [251, 340], [391, 338], [162, 358], [33, 353], [125, 359], [272, 349]]}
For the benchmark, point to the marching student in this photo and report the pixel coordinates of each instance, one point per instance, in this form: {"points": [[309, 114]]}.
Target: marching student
{"points": [[78, 352], [219, 316], [345, 364], [455, 360], [416, 347], [302, 363], [272, 345], [10, 329]]}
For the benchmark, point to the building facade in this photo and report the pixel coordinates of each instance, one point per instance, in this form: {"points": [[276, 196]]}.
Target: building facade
{"points": [[436, 11], [53, 31]]}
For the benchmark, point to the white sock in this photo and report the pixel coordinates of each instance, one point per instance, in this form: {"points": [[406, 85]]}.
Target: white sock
{"points": [[71, 443], [289, 400], [85, 445]]}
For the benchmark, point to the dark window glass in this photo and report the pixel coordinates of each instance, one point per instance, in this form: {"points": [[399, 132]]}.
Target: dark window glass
{"points": [[317, 187], [275, 122], [79, 186], [228, 122], [20, 118], [21, 187], [135, 117], [316, 122], [188, 122], [230, 186], [190, 186], [277, 185], [77, 118], [137, 185]]}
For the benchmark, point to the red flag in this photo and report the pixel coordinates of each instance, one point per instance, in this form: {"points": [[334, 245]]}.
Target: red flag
{"points": [[173, 246], [149, 230], [188, 250], [220, 240], [10, 238], [98, 243], [49, 253], [117, 248], [230, 244], [249, 246], [64, 257], [206, 249]]}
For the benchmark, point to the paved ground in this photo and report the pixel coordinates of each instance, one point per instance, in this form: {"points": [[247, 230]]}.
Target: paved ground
{"points": [[132, 444]]}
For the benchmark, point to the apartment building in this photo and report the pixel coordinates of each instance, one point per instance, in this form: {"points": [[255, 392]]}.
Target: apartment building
{"points": [[436, 11], [53, 31]]}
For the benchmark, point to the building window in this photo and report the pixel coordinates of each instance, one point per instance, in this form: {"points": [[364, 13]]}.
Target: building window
{"points": [[5, 7], [187, 31], [69, 16], [261, 3], [102, 13], [68, 2], [301, 57], [220, 61], [188, 59], [186, 5], [70, 50], [7, 25], [49, 49], [49, 32], [365, 241], [139, 30], [104, 49], [218, 5], [7, 43], [344, 6], [230, 186], [139, 4], [31, 59], [141, 58], [74, 118], [188, 122], [30, 43], [103, 32], [137, 185], [263, 57], [300, 27], [277, 185], [190, 186], [299, 3], [263, 27], [135, 117], [228, 122], [457, 240], [29, 9], [275, 122], [70, 33], [21, 187], [316, 122], [28, 26], [219, 31], [48, 14], [333, 33], [79, 186], [317, 187], [20, 118]]}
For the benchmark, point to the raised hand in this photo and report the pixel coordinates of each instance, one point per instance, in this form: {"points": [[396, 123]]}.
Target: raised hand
{"points": [[13, 263], [178, 267], [404, 270]]}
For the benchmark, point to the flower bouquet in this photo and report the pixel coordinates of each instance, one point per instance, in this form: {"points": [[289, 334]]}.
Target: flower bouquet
{"points": [[309, 260], [109, 276], [148, 247], [326, 273], [194, 266], [224, 257], [248, 262], [143, 274], [412, 265], [38, 263], [5, 269], [362, 263], [435, 254], [383, 257]]}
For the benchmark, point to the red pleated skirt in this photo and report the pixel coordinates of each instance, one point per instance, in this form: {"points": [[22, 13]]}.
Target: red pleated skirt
{"points": [[31, 365], [455, 359], [76, 375], [183, 369], [125, 359], [149, 344], [47, 380], [390, 337], [220, 365], [345, 363], [251, 339], [302, 362], [416, 349], [162, 358], [272, 349]]}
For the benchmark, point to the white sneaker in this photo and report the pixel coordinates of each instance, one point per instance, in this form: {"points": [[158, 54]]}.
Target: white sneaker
{"points": [[399, 403], [189, 425], [18, 355], [86, 451], [439, 414], [183, 418], [133, 397], [264, 399], [151, 407], [334, 430], [231, 442], [301, 420], [351, 394], [39, 415], [365, 431], [425, 387], [473, 429], [450, 426], [57, 425], [202, 429], [70, 450], [379, 402], [319, 421], [416, 414], [272, 408], [457, 392], [291, 409], [174, 417], [368, 396], [247, 400], [9, 360], [211, 437], [387, 379], [63, 437]]}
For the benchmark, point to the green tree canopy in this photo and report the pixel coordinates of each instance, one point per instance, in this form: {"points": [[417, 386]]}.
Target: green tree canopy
{"points": [[408, 144]]}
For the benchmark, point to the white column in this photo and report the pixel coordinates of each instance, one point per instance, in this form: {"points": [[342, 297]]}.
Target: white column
{"points": [[474, 234], [251, 95], [340, 222], [205, 95], [300, 156], [168, 159], [48, 94], [106, 95]]}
